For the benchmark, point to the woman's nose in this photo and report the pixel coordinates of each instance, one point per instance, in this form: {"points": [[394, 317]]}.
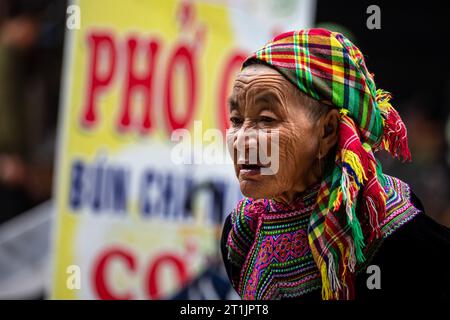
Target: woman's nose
{"points": [[246, 145]]}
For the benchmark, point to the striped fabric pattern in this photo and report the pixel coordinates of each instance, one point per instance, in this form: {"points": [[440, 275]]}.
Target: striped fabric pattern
{"points": [[329, 68], [399, 211]]}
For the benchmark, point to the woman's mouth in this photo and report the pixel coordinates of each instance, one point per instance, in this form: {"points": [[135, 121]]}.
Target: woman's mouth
{"points": [[249, 170]]}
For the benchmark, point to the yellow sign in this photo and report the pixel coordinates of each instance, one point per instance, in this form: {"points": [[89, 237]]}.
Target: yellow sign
{"points": [[132, 221]]}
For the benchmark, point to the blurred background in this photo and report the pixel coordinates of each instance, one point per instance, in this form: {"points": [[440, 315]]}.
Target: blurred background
{"points": [[407, 54]]}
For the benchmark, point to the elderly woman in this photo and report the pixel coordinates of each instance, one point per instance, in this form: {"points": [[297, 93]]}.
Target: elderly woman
{"points": [[313, 228]]}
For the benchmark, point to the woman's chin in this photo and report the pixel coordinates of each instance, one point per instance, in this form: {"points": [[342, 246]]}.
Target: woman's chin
{"points": [[253, 189]]}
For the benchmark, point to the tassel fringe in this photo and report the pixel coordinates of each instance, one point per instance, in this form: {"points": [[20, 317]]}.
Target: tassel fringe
{"points": [[394, 130]]}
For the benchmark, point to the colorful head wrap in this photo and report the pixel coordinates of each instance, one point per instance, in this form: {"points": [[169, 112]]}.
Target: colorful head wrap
{"points": [[328, 67]]}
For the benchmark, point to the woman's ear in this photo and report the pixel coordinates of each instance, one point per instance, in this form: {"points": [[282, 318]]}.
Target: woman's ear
{"points": [[329, 131]]}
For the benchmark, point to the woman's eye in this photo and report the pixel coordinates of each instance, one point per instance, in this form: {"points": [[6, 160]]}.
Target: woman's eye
{"points": [[267, 119], [236, 121]]}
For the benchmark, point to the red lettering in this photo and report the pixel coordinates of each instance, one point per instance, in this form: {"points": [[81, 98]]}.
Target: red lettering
{"points": [[143, 82], [96, 81], [234, 62], [102, 289], [160, 262], [181, 55]]}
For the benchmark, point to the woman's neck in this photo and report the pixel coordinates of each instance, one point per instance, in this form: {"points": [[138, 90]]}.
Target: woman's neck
{"points": [[291, 198], [300, 190]]}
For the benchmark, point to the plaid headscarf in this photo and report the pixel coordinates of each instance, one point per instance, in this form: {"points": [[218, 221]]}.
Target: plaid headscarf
{"points": [[351, 200]]}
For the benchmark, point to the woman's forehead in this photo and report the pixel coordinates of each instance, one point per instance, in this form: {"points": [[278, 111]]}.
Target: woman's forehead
{"points": [[258, 77]]}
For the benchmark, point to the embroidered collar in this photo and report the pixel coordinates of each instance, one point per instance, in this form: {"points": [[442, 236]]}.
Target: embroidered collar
{"points": [[271, 246]]}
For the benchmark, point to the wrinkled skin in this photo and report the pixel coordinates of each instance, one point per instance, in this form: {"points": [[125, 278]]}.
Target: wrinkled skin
{"points": [[263, 99]]}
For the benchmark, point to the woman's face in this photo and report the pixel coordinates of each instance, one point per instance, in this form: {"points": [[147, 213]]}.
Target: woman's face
{"points": [[265, 103]]}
